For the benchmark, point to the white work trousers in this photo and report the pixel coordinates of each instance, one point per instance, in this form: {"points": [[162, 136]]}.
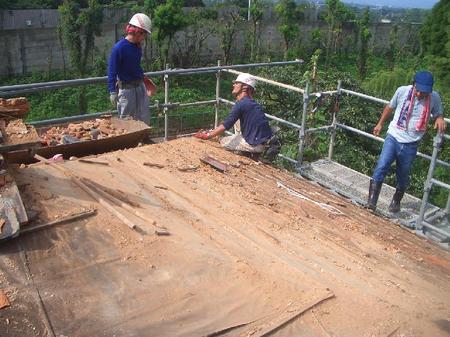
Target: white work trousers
{"points": [[237, 143], [134, 102]]}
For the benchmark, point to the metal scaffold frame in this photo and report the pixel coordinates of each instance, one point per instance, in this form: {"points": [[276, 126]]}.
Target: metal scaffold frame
{"points": [[422, 223]]}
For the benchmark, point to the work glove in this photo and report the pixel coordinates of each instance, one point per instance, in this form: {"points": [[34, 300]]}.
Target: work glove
{"points": [[202, 135], [113, 99]]}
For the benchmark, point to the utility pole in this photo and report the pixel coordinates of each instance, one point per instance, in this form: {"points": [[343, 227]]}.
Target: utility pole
{"points": [[249, 5]]}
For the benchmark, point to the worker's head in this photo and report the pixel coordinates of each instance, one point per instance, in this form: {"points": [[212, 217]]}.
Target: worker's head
{"points": [[423, 83], [244, 84], [138, 27]]}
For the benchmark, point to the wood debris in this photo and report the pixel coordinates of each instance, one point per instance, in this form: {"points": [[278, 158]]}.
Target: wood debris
{"points": [[146, 163], [218, 165], [4, 301], [13, 108], [2, 223], [188, 168]]}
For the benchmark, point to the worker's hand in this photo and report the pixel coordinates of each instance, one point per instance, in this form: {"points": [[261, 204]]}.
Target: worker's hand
{"points": [[377, 129], [113, 99], [202, 135], [440, 124]]}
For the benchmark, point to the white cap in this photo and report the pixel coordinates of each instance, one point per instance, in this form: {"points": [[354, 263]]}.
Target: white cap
{"points": [[142, 21], [246, 79]]}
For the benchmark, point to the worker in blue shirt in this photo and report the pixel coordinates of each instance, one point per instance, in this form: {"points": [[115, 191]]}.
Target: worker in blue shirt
{"points": [[256, 132], [125, 75], [414, 105]]}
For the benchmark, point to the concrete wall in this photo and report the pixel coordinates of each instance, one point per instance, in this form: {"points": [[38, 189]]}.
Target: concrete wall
{"points": [[29, 40]]}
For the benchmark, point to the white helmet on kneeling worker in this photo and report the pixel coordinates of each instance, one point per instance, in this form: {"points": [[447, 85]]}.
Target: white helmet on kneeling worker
{"points": [[246, 79]]}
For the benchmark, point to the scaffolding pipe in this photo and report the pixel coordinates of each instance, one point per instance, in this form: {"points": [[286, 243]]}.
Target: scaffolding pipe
{"points": [[69, 119], [333, 125], [440, 184], [301, 133], [12, 90], [437, 142], [370, 98], [262, 79], [180, 105], [322, 93], [321, 128], [379, 139], [293, 161], [436, 229], [282, 121], [166, 101], [223, 100], [216, 108]]}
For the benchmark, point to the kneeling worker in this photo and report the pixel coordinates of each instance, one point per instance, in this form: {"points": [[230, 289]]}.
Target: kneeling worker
{"points": [[256, 136]]}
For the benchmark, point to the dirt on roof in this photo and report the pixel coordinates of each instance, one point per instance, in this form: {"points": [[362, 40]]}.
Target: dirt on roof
{"points": [[253, 251]]}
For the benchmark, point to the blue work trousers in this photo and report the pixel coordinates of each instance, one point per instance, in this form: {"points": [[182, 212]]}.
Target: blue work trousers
{"points": [[403, 154]]}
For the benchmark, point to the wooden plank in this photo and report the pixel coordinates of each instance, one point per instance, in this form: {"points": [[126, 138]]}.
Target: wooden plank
{"points": [[218, 165], [87, 161], [287, 317], [69, 218], [146, 163], [10, 191], [106, 204]]}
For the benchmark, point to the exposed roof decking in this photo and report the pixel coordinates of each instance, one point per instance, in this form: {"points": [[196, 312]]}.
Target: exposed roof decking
{"points": [[240, 249]]}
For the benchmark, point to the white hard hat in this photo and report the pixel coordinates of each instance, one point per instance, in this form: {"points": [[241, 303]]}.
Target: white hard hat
{"points": [[246, 79], [142, 21]]}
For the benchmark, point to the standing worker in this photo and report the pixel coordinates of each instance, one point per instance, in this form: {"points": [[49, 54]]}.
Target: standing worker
{"points": [[125, 75], [256, 136], [414, 105]]}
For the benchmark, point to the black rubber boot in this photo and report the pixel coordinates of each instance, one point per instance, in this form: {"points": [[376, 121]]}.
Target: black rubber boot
{"points": [[394, 207], [374, 192]]}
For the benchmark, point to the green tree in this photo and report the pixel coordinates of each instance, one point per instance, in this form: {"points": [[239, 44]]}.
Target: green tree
{"points": [[364, 37], [229, 23], [200, 26], [336, 13], [168, 20], [435, 40], [78, 30], [392, 51], [256, 16], [289, 17]]}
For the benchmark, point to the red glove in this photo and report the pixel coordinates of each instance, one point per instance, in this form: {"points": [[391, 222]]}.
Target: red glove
{"points": [[202, 135]]}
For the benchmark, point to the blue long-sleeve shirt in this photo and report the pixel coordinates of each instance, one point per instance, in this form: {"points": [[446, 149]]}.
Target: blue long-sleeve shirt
{"points": [[254, 124], [124, 63]]}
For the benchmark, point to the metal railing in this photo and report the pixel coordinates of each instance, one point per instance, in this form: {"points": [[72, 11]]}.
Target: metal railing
{"points": [[8, 91]]}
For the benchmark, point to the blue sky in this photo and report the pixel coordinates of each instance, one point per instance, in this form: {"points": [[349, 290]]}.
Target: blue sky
{"points": [[396, 3]]}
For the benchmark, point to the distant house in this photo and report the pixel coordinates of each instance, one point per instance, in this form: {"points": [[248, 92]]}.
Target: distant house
{"points": [[385, 21]]}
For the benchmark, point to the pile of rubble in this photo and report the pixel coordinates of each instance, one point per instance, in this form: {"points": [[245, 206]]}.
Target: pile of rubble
{"points": [[14, 108], [89, 130]]}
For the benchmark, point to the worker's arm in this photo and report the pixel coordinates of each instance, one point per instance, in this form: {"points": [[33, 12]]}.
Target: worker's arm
{"points": [[112, 76], [440, 124], [212, 133], [384, 117]]}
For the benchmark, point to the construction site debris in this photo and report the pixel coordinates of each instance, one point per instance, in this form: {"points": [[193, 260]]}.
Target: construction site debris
{"points": [[146, 163], [87, 161], [13, 108], [218, 165], [4, 301], [17, 132], [106, 204], [188, 168], [76, 132], [69, 218]]}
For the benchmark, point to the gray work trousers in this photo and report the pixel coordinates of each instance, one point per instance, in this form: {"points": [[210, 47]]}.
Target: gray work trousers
{"points": [[134, 102]]}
